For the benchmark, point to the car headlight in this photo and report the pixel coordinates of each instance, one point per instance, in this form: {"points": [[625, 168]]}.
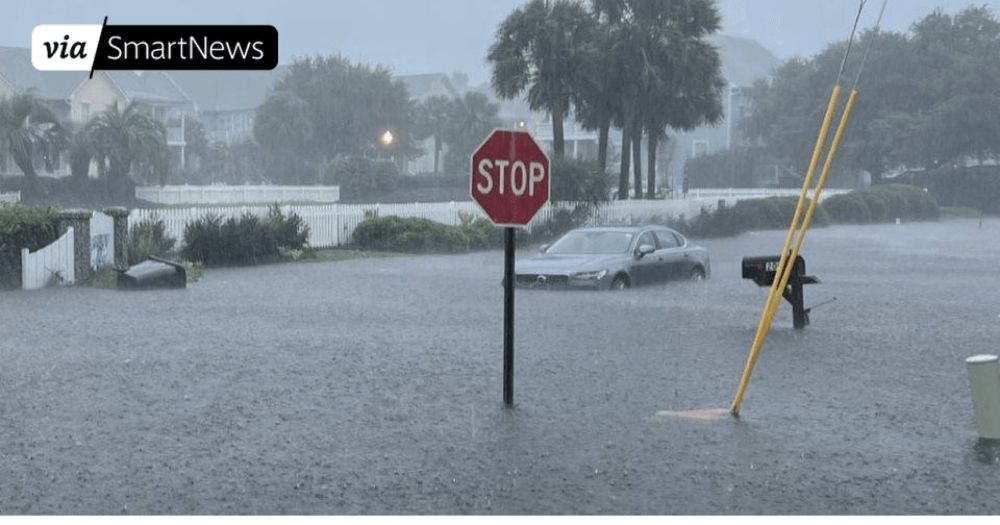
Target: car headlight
{"points": [[590, 276]]}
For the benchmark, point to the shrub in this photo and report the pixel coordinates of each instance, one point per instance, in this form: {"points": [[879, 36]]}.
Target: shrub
{"points": [[920, 205], [482, 234], [878, 205], [149, 237], [847, 208], [245, 240], [410, 234], [22, 227], [361, 179]]}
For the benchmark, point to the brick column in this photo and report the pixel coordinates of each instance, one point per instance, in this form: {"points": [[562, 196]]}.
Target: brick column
{"points": [[120, 216], [79, 220]]}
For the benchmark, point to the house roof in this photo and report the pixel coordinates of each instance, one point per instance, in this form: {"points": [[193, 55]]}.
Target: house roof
{"points": [[743, 60], [227, 90], [16, 69], [147, 86]]}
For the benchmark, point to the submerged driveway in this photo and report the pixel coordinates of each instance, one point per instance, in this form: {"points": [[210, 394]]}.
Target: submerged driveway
{"points": [[374, 386]]}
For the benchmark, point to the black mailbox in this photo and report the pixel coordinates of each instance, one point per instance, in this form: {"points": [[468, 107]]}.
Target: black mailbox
{"points": [[763, 270]]}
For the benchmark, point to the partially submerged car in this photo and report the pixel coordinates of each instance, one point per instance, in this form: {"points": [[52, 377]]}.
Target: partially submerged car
{"points": [[615, 258]]}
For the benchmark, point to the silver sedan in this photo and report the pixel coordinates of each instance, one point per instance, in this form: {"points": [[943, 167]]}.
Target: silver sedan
{"points": [[614, 257]]}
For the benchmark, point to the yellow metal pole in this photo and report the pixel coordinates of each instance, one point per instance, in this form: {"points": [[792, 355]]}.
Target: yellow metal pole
{"points": [[786, 273], [775, 292], [827, 167]]}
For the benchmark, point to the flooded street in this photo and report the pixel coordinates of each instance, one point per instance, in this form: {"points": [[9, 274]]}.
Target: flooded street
{"points": [[374, 386]]}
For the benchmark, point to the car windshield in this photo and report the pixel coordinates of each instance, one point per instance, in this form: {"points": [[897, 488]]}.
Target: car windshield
{"points": [[592, 242]]}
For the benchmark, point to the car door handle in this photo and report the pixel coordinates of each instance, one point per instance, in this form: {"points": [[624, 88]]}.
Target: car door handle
{"points": [[686, 255]]}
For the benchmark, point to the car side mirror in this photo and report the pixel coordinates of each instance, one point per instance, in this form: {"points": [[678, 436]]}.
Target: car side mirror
{"points": [[543, 248], [644, 250]]}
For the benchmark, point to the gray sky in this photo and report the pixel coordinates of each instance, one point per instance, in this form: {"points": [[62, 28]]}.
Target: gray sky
{"points": [[419, 36]]}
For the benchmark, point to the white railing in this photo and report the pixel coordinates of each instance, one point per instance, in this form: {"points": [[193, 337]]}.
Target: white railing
{"points": [[332, 225], [11, 197], [102, 245], [52, 264], [752, 193], [237, 194]]}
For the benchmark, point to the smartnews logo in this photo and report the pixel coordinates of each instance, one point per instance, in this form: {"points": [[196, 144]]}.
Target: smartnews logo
{"points": [[106, 47]]}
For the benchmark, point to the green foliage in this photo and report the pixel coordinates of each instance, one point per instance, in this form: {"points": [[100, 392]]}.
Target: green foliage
{"points": [[329, 107], [22, 227], [908, 202], [482, 234], [149, 237], [129, 142], [362, 179], [579, 181], [878, 204], [929, 98], [28, 126], [848, 208], [541, 50], [247, 240], [407, 234], [740, 167]]}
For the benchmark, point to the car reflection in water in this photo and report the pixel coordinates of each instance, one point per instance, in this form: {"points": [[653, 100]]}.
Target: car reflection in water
{"points": [[615, 258]]}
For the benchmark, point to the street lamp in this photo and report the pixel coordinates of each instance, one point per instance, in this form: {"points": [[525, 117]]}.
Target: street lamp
{"points": [[387, 138]]}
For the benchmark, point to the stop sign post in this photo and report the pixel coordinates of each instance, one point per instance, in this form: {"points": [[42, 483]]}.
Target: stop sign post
{"points": [[510, 182]]}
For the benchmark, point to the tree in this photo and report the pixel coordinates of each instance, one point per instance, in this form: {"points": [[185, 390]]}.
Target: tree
{"points": [[928, 98], [670, 77], [27, 127], [80, 148], [327, 107], [195, 140], [432, 121], [126, 141], [543, 48], [471, 119]]}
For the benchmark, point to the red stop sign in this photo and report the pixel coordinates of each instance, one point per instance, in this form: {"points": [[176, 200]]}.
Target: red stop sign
{"points": [[510, 178]]}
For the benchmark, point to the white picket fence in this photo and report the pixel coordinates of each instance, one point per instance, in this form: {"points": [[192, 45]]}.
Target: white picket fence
{"points": [[50, 265], [752, 193], [237, 194], [332, 225], [11, 197]]}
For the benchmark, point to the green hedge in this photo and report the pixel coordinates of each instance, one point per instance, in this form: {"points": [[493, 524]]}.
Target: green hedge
{"points": [[410, 234], [877, 204], [246, 240], [22, 227]]}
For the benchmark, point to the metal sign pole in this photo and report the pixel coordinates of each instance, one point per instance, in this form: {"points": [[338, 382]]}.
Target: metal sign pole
{"points": [[508, 320]]}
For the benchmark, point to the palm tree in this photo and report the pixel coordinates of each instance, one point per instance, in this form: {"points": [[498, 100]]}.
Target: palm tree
{"points": [[543, 47], [598, 102], [670, 77], [128, 138], [27, 127]]}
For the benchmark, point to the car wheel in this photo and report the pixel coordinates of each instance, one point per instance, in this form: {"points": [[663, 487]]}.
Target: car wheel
{"points": [[698, 274], [620, 283]]}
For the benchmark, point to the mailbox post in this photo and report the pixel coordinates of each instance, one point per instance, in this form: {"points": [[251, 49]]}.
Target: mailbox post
{"points": [[763, 270]]}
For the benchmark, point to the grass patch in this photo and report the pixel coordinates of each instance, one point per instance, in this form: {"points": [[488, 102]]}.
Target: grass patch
{"points": [[340, 254]]}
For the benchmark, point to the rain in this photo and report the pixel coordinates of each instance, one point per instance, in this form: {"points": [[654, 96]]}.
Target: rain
{"points": [[543, 257]]}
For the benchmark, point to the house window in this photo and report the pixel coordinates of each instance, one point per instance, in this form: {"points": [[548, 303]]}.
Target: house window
{"points": [[84, 112], [699, 148]]}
